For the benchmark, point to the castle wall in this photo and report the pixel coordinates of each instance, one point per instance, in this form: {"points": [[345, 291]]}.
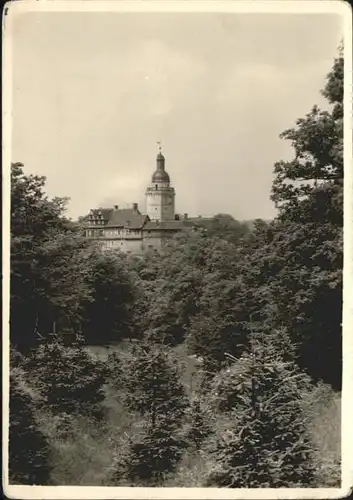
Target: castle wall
{"points": [[156, 239], [149, 240], [133, 246], [152, 241]]}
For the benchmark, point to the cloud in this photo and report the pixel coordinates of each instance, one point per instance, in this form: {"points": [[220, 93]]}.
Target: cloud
{"points": [[93, 94]]}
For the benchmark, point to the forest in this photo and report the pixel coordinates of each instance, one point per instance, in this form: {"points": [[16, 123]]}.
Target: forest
{"points": [[215, 362]]}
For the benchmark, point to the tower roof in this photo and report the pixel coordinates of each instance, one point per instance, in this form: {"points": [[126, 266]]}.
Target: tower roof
{"points": [[160, 175]]}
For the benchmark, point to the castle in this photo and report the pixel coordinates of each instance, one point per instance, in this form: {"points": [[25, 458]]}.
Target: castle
{"points": [[131, 231]]}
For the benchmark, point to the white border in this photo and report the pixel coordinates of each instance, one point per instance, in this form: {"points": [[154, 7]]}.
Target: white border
{"points": [[236, 6]]}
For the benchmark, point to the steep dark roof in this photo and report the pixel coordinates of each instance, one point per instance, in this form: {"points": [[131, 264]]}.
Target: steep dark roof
{"points": [[126, 217], [113, 217]]}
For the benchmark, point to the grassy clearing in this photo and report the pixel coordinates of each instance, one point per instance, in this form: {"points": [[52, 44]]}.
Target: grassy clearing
{"points": [[325, 430]]}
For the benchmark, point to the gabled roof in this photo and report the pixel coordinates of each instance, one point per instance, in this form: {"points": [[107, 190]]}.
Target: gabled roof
{"points": [[103, 213], [114, 217], [126, 217]]}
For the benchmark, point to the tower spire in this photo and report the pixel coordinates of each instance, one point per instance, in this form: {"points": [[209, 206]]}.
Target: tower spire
{"points": [[160, 195], [160, 157]]}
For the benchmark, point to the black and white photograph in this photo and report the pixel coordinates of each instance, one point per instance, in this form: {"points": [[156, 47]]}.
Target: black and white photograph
{"points": [[175, 192]]}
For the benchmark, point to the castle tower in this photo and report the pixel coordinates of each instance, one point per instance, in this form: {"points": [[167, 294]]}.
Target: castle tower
{"points": [[160, 197]]}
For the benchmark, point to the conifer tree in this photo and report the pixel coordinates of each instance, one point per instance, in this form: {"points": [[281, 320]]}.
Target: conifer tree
{"points": [[153, 386], [200, 422], [69, 379], [155, 393], [155, 456], [261, 439]]}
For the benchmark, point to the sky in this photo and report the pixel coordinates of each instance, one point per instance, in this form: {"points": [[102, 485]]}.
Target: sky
{"points": [[93, 93]]}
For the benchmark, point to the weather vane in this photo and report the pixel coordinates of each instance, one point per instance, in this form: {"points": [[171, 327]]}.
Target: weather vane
{"points": [[159, 146]]}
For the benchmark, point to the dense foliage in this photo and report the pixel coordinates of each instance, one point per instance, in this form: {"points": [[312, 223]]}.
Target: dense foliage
{"points": [[48, 271], [308, 240], [222, 340], [29, 450]]}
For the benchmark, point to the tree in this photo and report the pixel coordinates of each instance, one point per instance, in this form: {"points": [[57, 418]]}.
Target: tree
{"points": [[211, 336], [154, 457], [32, 213], [171, 288], [261, 440], [68, 378], [61, 273], [294, 273], [309, 188], [225, 227], [196, 276], [200, 422], [153, 386], [108, 315], [220, 324], [153, 390], [29, 451], [49, 263]]}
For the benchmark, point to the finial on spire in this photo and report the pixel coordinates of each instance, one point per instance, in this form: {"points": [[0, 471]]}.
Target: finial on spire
{"points": [[159, 144]]}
